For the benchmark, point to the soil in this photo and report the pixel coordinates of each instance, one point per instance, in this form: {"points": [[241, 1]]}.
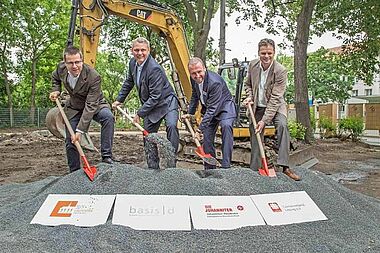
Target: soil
{"points": [[28, 155]]}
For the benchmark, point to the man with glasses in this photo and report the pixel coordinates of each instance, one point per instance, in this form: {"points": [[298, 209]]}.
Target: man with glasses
{"points": [[86, 102], [265, 87]]}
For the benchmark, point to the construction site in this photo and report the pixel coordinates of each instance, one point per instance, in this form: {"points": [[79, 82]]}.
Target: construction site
{"points": [[338, 178], [344, 184]]}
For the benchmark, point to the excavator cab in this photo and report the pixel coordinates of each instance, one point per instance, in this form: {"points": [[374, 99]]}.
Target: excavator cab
{"points": [[234, 74]]}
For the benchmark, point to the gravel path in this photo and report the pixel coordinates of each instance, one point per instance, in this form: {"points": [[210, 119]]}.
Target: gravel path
{"points": [[352, 225]]}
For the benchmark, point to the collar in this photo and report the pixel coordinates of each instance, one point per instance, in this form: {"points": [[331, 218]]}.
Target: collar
{"points": [[142, 64], [261, 67]]}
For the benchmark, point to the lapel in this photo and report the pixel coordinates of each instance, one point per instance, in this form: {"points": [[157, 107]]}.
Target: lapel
{"points": [[205, 87], [256, 79], [269, 76]]}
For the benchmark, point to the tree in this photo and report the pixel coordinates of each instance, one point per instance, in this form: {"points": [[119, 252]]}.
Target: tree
{"points": [[300, 69], [359, 22], [329, 76], [8, 35], [44, 25], [199, 15]]}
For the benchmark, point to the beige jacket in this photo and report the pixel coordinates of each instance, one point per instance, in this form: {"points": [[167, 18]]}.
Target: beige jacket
{"points": [[275, 87]]}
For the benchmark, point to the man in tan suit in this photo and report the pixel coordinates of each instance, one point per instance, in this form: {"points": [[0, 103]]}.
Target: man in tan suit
{"points": [[265, 87], [86, 102]]}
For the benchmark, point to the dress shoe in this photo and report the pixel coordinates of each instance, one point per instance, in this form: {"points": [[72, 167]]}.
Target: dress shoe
{"points": [[108, 160], [291, 174]]}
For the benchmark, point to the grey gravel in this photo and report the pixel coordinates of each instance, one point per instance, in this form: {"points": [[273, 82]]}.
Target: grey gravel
{"points": [[352, 225]]}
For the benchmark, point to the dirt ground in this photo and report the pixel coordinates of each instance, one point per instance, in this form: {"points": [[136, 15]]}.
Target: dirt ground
{"points": [[27, 156]]}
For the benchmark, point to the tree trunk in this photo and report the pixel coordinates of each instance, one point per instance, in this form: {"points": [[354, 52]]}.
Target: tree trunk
{"points": [[33, 93], [300, 67], [202, 30]]}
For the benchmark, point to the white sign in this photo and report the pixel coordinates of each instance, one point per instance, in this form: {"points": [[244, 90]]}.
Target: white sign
{"points": [[224, 212], [77, 210], [152, 212], [287, 208]]}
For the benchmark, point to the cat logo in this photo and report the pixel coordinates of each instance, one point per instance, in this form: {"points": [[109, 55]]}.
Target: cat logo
{"points": [[64, 209], [141, 13]]}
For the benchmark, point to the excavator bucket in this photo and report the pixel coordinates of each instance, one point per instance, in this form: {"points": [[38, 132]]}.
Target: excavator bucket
{"points": [[56, 125]]}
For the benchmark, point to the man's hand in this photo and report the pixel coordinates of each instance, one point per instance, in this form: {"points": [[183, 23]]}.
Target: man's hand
{"points": [[136, 119], [198, 134], [75, 137], [247, 101], [115, 104], [54, 95], [186, 116], [260, 126]]}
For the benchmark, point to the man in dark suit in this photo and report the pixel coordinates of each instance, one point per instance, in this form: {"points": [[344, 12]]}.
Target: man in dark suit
{"points": [[218, 108], [156, 96], [86, 102], [265, 87]]}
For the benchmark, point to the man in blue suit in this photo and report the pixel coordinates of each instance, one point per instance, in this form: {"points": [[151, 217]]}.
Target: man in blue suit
{"points": [[156, 96], [218, 108]]}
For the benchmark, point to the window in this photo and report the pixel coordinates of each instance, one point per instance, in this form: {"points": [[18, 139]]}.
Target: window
{"points": [[368, 92], [354, 93]]}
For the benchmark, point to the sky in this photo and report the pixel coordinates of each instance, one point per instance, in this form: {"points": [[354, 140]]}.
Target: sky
{"points": [[241, 42]]}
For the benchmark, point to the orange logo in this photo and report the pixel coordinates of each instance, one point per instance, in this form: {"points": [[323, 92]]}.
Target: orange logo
{"points": [[63, 208]]}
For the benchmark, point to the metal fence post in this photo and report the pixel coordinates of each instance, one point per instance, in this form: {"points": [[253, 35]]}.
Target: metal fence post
{"points": [[11, 115], [38, 117]]}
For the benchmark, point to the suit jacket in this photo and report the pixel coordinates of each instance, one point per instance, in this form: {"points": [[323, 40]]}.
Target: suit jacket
{"points": [[86, 97], [275, 87], [154, 89], [218, 100]]}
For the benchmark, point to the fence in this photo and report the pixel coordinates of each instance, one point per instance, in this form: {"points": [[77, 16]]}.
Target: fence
{"points": [[22, 117]]}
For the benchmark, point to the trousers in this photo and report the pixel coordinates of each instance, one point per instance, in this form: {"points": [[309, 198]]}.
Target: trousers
{"points": [[283, 139], [105, 118]]}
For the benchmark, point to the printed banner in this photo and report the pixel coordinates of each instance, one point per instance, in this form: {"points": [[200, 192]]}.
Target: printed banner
{"points": [[224, 212], [152, 212], [287, 208], [78, 210]]}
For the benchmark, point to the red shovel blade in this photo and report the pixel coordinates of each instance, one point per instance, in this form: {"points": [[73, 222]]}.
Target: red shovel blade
{"points": [[89, 170], [207, 158], [264, 171]]}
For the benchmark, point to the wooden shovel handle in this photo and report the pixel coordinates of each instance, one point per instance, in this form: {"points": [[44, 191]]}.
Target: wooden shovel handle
{"points": [[67, 123], [261, 148], [188, 124], [130, 119]]}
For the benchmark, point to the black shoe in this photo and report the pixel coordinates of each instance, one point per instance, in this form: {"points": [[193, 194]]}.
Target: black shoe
{"points": [[108, 160]]}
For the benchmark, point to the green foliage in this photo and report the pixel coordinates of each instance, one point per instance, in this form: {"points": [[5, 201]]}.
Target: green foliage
{"points": [[288, 63], [297, 130], [328, 129], [313, 121], [359, 23], [353, 126], [329, 76]]}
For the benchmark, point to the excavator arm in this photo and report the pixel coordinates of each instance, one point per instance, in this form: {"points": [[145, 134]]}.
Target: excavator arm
{"points": [[94, 13]]}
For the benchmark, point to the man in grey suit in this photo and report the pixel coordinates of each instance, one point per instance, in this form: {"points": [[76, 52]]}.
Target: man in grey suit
{"points": [[156, 95], [218, 108], [265, 87], [86, 102]]}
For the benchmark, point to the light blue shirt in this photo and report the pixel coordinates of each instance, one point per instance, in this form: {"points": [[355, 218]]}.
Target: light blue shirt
{"points": [[138, 71]]}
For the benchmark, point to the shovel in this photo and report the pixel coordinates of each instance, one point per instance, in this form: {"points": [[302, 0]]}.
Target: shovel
{"points": [[264, 171], [145, 133], [89, 170], [207, 158]]}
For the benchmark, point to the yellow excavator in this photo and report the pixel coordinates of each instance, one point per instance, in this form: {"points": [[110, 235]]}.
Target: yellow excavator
{"points": [[94, 13]]}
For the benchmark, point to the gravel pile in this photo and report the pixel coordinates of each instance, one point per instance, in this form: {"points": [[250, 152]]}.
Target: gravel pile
{"points": [[352, 225]]}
